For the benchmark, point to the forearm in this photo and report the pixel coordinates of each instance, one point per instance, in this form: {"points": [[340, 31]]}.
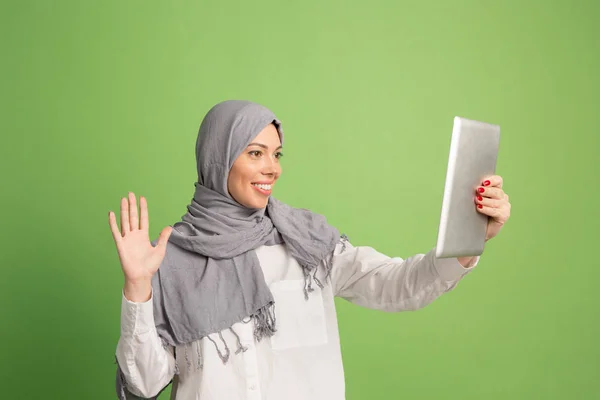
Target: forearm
{"points": [[146, 365], [370, 279]]}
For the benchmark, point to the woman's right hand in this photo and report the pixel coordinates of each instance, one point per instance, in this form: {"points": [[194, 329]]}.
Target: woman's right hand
{"points": [[139, 259]]}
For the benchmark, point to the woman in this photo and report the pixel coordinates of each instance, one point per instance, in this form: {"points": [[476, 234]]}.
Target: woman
{"points": [[236, 301]]}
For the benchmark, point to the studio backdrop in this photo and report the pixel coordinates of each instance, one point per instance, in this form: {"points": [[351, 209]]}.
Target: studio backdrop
{"points": [[102, 98]]}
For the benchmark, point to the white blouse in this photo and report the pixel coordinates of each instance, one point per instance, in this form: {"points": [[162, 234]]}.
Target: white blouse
{"points": [[302, 360]]}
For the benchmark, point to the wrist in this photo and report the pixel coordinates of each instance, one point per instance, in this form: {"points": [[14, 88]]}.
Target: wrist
{"points": [[138, 291], [465, 261]]}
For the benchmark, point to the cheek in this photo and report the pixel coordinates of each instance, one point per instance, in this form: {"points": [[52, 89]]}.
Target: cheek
{"points": [[232, 181], [239, 179]]}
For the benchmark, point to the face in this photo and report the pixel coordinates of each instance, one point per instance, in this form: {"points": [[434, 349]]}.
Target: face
{"points": [[254, 172]]}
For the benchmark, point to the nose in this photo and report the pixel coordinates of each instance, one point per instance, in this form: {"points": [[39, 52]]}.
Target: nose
{"points": [[272, 167]]}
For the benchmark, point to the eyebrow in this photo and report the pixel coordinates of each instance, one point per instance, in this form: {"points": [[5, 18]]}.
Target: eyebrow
{"points": [[263, 146]]}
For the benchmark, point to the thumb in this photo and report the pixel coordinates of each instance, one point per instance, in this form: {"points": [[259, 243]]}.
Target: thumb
{"points": [[164, 237]]}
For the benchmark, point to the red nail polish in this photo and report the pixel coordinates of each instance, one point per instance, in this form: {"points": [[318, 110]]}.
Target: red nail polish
{"points": [[479, 198], [479, 206], [486, 183], [481, 190]]}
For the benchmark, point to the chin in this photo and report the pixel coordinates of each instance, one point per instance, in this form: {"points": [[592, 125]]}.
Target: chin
{"points": [[257, 204], [261, 204]]}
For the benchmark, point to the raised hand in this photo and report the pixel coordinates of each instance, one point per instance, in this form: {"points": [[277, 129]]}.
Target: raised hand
{"points": [[139, 259]]}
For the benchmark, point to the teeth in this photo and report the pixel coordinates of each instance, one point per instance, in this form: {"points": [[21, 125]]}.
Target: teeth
{"points": [[263, 187]]}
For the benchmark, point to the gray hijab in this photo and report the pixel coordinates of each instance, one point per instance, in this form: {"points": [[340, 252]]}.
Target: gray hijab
{"points": [[211, 277]]}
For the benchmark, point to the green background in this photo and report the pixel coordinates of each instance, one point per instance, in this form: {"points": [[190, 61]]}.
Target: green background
{"points": [[101, 98]]}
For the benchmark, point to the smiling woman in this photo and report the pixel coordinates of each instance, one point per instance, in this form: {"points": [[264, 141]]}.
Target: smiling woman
{"points": [[244, 272], [255, 171]]}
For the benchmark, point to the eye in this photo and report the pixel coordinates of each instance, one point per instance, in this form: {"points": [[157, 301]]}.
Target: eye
{"points": [[255, 153], [278, 155]]}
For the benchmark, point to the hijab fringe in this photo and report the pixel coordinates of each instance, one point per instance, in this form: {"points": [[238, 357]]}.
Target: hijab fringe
{"points": [[264, 322]]}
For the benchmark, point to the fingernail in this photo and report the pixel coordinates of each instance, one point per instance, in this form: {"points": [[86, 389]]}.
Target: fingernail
{"points": [[479, 198], [486, 183], [479, 206], [481, 190]]}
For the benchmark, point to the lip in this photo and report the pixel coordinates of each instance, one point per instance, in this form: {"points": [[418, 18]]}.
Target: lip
{"points": [[262, 191]]}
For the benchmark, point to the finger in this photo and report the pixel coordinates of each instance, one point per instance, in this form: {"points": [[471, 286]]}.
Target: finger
{"points": [[490, 192], [124, 216], [144, 214], [112, 222], [498, 214], [492, 181], [164, 238], [133, 212], [485, 201]]}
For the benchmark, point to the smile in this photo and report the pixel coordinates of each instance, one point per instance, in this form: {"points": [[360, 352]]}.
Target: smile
{"points": [[263, 188]]}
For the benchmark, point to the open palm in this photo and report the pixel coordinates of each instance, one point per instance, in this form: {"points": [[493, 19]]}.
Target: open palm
{"points": [[139, 259]]}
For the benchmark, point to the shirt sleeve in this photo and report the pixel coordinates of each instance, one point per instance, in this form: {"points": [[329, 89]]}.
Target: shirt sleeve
{"points": [[146, 365], [370, 279]]}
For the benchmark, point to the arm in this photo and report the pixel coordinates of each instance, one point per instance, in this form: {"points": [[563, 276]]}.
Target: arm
{"points": [[147, 367], [370, 279]]}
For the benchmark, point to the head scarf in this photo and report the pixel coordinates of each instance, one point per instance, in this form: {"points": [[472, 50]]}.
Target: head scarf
{"points": [[211, 277]]}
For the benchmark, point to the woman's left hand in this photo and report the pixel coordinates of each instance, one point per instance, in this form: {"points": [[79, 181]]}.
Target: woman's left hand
{"points": [[493, 202]]}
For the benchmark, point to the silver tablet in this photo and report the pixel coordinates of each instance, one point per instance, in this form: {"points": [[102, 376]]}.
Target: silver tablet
{"points": [[473, 154]]}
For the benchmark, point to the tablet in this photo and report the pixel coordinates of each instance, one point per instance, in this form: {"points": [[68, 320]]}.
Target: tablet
{"points": [[473, 154]]}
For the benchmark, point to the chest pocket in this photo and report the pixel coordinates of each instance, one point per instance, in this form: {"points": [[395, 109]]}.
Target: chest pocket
{"points": [[299, 322]]}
